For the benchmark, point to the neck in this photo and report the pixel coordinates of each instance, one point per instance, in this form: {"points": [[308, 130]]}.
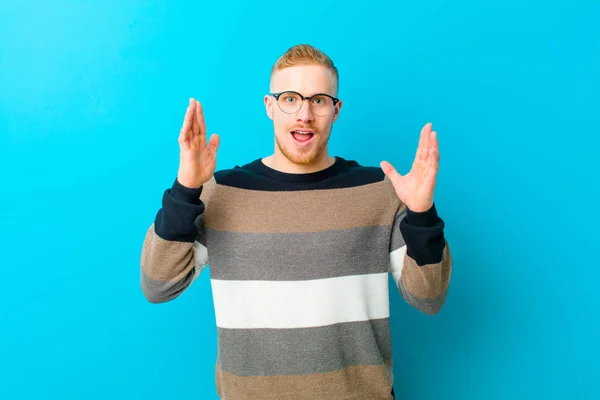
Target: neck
{"points": [[281, 163]]}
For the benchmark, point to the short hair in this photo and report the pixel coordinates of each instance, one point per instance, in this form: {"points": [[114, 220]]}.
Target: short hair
{"points": [[305, 54]]}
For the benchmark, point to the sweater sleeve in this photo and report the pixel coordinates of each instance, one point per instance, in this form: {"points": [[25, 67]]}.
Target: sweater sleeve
{"points": [[174, 249], [420, 259]]}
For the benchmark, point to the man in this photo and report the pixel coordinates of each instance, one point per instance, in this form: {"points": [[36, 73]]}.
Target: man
{"points": [[300, 246]]}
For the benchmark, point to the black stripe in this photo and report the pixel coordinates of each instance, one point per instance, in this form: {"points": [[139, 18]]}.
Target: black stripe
{"points": [[257, 176], [180, 208], [424, 236]]}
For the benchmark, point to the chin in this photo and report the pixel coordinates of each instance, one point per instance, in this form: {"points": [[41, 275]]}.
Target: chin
{"points": [[301, 156], [302, 159]]}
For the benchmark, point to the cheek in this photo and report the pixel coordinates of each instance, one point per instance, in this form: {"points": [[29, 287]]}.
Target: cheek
{"points": [[280, 124], [281, 119], [325, 125]]}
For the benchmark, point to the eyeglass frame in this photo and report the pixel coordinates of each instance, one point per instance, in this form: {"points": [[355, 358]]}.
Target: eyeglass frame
{"points": [[302, 97]]}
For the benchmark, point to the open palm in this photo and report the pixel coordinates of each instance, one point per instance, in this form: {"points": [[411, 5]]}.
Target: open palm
{"points": [[197, 158], [416, 188]]}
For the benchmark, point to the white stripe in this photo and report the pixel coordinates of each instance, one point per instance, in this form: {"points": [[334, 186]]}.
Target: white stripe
{"points": [[200, 259], [298, 304], [397, 262]]}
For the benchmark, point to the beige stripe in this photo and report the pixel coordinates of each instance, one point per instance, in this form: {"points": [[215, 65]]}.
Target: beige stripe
{"points": [[208, 189], [166, 261], [430, 280], [372, 382], [242, 210]]}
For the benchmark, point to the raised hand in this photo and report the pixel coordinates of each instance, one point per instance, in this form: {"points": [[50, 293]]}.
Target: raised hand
{"points": [[416, 188], [197, 159]]}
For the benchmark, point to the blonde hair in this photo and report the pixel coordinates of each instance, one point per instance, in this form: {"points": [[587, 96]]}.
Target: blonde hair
{"points": [[305, 54]]}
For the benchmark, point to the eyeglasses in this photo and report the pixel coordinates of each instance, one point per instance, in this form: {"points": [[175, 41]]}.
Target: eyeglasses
{"points": [[290, 102]]}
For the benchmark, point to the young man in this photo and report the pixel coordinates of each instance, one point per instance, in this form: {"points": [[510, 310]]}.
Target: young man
{"points": [[300, 245]]}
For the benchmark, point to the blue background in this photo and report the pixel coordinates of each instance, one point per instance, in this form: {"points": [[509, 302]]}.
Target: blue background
{"points": [[92, 95]]}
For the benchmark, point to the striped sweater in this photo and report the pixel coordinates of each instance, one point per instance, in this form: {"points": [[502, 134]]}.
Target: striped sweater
{"points": [[299, 269]]}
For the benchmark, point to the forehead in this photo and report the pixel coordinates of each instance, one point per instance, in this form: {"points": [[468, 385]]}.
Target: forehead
{"points": [[305, 79]]}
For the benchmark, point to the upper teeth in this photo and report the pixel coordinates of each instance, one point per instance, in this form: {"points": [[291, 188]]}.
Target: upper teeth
{"points": [[303, 133]]}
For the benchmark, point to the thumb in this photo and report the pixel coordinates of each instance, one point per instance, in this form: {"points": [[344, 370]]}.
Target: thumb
{"points": [[390, 171], [214, 142], [393, 175]]}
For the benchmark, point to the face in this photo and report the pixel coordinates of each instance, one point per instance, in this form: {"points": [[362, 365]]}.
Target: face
{"points": [[302, 136]]}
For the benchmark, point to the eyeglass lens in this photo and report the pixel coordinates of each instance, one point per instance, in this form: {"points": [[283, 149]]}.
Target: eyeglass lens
{"points": [[290, 102]]}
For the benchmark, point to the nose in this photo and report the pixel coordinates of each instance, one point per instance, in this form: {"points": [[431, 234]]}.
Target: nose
{"points": [[305, 112]]}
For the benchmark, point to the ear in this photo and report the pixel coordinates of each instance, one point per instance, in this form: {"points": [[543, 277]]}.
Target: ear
{"points": [[336, 110], [269, 105]]}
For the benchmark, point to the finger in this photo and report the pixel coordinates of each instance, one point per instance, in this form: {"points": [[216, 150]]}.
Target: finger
{"points": [[432, 163], [200, 137], [200, 116], [195, 125], [187, 119], [434, 158], [424, 142], [184, 136], [433, 144], [427, 129], [432, 167]]}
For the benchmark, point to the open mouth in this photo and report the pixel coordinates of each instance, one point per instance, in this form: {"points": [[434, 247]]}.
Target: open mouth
{"points": [[302, 136]]}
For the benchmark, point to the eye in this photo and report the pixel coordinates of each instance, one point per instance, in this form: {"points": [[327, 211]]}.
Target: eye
{"points": [[321, 101], [289, 98]]}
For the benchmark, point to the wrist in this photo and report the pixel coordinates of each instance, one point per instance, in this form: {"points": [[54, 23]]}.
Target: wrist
{"points": [[420, 217], [189, 184], [189, 181], [181, 191]]}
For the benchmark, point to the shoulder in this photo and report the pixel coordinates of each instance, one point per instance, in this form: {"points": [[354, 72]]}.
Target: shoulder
{"points": [[239, 176], [376, 178], [225, 177], [356, 174], [356, 168]]}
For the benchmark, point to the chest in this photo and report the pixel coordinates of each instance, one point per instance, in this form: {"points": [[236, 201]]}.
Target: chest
{"points": [[272, 236]]}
